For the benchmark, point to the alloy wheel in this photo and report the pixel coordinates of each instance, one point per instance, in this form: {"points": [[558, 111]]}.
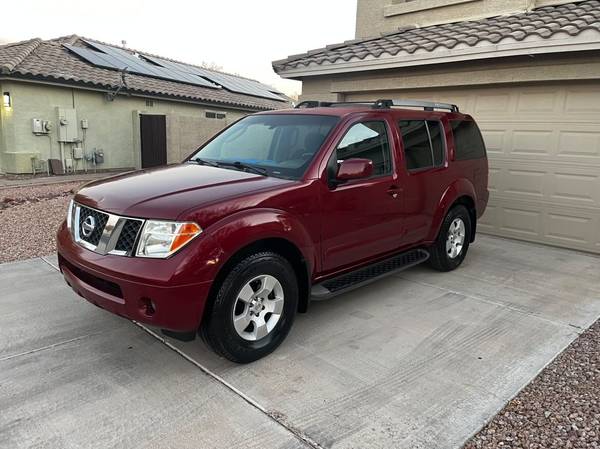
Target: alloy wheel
{"points": [[258, 307]]}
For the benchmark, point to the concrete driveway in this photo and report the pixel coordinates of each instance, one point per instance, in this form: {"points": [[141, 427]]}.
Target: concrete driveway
{"points": [[417, 360]]}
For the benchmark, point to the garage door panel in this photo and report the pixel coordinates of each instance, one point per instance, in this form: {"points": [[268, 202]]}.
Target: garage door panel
{"points": [[531, 142], [580, 143], [538, 102], [543, 144], [493, 103], [581, 100], [524, 182], [573, 187], [552, 182], [567, 228], [540, 222], [494, 139], [520, 221]]}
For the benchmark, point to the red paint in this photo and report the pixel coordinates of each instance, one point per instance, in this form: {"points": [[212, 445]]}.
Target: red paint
{"points": [[335, 228]]}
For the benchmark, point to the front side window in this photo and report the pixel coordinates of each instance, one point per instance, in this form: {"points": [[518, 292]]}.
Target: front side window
{"points": [[367, 140], [423, 143], [281, 145]]}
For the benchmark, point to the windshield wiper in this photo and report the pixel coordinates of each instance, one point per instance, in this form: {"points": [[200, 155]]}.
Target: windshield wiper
{"points": [[241, 166], [200, 161]]}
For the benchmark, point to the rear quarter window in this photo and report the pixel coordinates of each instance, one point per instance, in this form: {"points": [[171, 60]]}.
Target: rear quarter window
{"points": [[468, 143]]}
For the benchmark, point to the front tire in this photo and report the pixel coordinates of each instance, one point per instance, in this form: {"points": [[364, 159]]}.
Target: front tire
{"points": [[452, 243], [254, 308]]}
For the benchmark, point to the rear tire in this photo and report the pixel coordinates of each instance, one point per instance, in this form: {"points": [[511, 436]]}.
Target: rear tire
{"points": [[254, 308], [452, 243]]}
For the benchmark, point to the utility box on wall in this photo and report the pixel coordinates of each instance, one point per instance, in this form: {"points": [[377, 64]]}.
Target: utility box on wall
{"points": [[67, 125]]}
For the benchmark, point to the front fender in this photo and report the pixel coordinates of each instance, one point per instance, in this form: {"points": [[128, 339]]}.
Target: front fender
{"points": [[459, 188], [243, 228]]}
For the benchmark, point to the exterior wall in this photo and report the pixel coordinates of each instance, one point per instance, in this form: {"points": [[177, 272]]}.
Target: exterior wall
{"points": [[519, 69], [381, 16], [113, 125]]}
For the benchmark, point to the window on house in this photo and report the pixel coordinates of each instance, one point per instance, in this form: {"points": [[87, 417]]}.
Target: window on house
{"points": [[468, 143], [423, 143], [215, 115], [149, 103]]}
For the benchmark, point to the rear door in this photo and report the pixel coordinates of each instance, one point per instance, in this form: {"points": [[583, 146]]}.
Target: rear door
{"points": [[361, 218], [423, 174]]}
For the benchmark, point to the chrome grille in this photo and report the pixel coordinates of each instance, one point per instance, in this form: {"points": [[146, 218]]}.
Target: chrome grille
{"points": [[91, 224], [128, 235], [104, 233]]}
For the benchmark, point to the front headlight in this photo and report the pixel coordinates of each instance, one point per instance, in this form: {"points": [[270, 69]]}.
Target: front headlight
{"points": [[70, 215], [162, 238]]}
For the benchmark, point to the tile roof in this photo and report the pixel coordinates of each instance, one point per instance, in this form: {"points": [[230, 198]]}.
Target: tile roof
{"points": [[49, 60], [569, 19]]}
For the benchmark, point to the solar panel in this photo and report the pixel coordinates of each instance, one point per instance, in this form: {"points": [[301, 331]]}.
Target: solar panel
{"points": [[180, 71], [96, 58], [229, 82], [143, 67], [242, 85], [119, 59]]}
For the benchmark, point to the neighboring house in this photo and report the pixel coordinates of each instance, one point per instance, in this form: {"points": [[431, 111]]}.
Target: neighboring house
{"points": [[100, 106], [528, 70]]}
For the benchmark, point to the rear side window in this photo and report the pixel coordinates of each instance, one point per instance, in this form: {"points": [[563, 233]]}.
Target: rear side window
{"points": [[468, 143], [367, 140], [423, 143]]}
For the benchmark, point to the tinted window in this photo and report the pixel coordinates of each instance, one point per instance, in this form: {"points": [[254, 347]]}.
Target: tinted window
{"points": [[367, 140], [436, 132], [468, 143], [423, 143], [282, 144]]}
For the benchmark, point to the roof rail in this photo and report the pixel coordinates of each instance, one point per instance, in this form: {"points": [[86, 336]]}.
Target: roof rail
{"points": [[426, 105], [329, 104], [380, 104]]}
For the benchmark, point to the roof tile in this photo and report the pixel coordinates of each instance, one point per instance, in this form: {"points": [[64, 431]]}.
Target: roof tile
{"points": [[572, 18]]}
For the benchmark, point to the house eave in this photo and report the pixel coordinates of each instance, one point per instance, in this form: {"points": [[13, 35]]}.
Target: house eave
{"points": [[586, 41], [133, 93]]}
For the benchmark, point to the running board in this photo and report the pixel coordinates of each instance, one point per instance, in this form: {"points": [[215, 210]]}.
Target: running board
{"points": [[365, 275]]}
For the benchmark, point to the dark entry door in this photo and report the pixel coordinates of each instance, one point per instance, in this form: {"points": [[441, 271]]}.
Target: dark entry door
{"points": [[154, 140]]}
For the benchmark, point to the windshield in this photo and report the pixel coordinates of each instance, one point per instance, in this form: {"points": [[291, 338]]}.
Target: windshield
{"points": [[280, 145]]}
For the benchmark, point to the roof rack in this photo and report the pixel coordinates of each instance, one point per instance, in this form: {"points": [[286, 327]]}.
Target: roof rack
{"points": [[380, 104], [329, 104], [426, 105]]}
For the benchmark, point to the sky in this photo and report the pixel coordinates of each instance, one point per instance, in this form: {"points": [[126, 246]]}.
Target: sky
{"points": [[241, 36]]}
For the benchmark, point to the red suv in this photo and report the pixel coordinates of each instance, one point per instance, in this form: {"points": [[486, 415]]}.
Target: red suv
{"points": [[278, 209]]}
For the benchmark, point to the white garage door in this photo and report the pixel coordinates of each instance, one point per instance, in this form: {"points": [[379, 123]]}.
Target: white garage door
{"points": [[544, 152]]}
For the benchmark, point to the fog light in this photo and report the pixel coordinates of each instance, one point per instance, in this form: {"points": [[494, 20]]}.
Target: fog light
{"points": [[147, 306]]}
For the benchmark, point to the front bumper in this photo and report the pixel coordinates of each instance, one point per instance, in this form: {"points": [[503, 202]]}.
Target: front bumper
{"points": [[158, 292]]}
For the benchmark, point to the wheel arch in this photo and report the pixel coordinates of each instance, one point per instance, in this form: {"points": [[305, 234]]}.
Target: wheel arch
{"points": [[460, 192], [278, 245]]}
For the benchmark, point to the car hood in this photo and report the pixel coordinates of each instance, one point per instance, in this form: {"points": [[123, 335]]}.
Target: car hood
{"points": [[167, 192]]}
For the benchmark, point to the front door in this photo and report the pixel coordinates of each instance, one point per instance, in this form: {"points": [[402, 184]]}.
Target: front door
{"points": [[361, 218], [154, 140]]}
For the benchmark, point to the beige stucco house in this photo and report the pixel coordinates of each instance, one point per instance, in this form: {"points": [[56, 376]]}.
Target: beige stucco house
{"points": [[96, 106], [527, 70]]}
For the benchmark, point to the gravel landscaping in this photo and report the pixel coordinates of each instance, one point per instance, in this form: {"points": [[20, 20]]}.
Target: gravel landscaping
{"points": [[559, 409], [29, 218]]}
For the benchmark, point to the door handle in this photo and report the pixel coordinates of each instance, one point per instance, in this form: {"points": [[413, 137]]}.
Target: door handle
{"points": [[393, 191]]}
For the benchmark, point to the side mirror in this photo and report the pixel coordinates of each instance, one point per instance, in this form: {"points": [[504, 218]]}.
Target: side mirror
{"points": [[355, 168]]}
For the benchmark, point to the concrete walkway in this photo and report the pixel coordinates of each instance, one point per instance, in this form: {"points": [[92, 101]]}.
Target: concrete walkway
{"points": [[418, 360]]}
